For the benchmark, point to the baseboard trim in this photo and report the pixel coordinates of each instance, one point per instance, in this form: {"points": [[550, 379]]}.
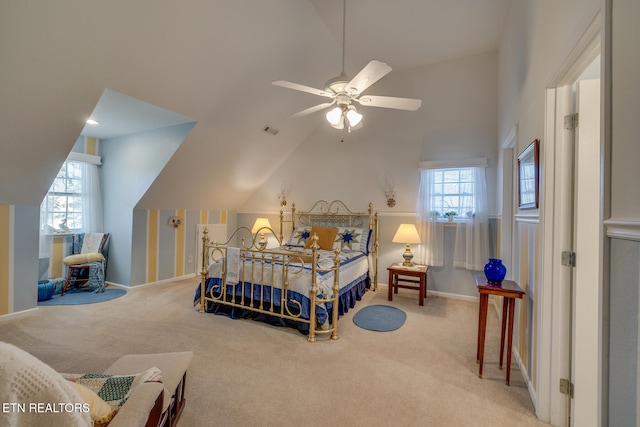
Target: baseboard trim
{"points": [[452, 296], [117, 285], [16, 315], [439, 294], [527, 380], [158, 282]]}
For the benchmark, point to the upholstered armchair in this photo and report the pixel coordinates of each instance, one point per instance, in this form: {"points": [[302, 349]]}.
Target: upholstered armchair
{"points": [[87, 261]]}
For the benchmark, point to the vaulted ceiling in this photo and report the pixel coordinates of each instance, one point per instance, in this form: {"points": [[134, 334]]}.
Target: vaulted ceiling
{"points": [[207, 61]]}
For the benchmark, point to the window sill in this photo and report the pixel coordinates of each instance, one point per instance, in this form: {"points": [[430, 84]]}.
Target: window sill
{"points": [[454, 222], [64, 234]]}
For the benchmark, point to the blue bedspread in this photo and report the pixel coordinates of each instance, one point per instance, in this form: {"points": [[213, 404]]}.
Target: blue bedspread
{"points": [[349, 296]]}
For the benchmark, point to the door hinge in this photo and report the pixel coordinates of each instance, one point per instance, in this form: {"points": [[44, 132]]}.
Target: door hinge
{"points": [[569, 258], [571, 121], [566, 387]]}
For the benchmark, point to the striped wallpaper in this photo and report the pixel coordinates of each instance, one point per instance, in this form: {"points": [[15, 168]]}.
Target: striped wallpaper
{"points": [[5, 253], [167, 252], [171, 251]]}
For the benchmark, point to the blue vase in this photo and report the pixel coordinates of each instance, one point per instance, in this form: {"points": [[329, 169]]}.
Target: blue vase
{"points": [[495, 271]]}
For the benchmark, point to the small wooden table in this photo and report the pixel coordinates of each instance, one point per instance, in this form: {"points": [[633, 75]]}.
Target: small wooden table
{"points": [[509, 290], [419, 271]]}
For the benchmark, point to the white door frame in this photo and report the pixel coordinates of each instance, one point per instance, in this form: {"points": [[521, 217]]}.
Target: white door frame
{"points": [[589, 237], [507, 235], [554, 335]]}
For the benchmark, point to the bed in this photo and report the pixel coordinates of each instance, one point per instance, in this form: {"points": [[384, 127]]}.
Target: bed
{"points": [[327, 263]]}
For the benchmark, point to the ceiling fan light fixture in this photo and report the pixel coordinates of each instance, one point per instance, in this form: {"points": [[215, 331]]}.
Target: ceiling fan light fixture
{"points": [[353, 116], [345, 91], [334, 116], [340, 124]]}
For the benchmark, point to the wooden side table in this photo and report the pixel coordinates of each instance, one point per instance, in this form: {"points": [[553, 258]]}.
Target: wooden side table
{"points": [[420, 271], [509, 290]]}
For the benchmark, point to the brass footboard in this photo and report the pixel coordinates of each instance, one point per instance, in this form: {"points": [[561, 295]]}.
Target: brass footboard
{"points": [[260, 273]]}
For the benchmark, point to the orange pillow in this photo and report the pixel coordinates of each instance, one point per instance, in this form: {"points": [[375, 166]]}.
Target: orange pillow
{"points": [[326, 236]]}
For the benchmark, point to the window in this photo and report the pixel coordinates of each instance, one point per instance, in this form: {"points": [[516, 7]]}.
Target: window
{"points": [[453, 191], [73, 203], [460, 187], [62, 207]]}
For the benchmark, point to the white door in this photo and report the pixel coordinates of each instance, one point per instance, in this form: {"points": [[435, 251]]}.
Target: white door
{"points": [[587, 283]]}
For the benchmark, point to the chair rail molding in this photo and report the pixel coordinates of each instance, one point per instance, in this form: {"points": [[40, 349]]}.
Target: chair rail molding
{"points": [[533, 218], [627, 229]]}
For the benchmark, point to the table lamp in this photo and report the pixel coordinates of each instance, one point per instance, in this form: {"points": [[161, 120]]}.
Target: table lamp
{"points": [[407, 234], [263, 226]]}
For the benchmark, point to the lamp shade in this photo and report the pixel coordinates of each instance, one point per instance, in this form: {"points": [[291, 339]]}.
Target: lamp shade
{"points": [[407, 233], [261, 223]]}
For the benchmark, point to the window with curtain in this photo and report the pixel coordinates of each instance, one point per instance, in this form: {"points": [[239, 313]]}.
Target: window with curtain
{"points": [[73, 203], [462, 189], [62, 206], [453, 191]]}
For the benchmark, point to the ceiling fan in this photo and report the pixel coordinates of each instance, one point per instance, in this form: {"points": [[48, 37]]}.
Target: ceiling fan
{"points": [[345, 92]]}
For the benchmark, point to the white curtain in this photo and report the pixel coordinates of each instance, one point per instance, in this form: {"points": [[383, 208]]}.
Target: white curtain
{"points": [[472, 236], [431, 231], [91, 209], [46, 240], [91, 199]]}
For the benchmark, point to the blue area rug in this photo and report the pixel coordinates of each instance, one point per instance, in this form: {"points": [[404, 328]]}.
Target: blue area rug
{"points": [[382, 318], [77, 296]]}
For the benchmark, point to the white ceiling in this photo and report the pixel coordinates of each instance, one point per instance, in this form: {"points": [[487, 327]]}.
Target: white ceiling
{"points": [[210, 61], [404, 33], [413, 33]]}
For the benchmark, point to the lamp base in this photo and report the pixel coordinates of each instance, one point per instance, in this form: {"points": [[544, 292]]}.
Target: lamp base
{"points": [[408, 256]]}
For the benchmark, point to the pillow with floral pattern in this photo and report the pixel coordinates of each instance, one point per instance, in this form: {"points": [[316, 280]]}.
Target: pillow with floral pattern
{"points": [[299, 236]]}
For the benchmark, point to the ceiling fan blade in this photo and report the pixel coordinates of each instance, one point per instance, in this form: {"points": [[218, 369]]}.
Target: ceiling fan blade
{"points": [[371, 73], [303, 88], [311, 110], [409, 104]]}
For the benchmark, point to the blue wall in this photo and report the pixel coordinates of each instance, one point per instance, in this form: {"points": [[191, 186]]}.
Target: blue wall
{"points": [[623, 330], [25, 257], [130, 164]]}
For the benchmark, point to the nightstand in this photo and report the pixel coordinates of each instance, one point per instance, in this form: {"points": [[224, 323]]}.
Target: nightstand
{"points": [[399, 273]]}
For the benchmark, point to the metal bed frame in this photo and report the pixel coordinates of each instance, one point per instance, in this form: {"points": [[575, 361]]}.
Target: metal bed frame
{"points": [[252, 292]]}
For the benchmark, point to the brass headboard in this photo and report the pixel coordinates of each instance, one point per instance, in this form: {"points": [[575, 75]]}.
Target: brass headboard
{"points": [[336, 214]]}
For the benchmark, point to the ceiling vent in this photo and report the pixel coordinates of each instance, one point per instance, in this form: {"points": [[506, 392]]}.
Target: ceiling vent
{"points": [[270, 130]]}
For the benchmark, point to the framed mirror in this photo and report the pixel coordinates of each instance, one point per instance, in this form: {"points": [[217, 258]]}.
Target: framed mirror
{"points": [[528, 176]]}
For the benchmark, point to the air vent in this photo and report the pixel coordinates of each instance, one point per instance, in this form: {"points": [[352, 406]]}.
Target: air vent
{"points": [[270, 130]]}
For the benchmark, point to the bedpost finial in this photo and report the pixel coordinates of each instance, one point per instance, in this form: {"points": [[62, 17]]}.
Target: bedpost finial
{"points": [[315, 239]]}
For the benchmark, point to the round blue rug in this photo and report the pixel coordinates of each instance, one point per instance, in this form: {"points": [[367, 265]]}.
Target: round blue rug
{"points": [[83, 296], [382, 318]]}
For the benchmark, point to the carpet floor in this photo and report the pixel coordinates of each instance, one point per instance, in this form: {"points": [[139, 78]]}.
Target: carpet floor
{"points": [[246, 373]]}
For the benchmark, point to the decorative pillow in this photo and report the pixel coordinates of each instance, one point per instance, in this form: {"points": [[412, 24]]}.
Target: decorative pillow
{"points": [[82, 258], [100, 411], [352, 239], [114, 389], [326, 236], [299, 236]]}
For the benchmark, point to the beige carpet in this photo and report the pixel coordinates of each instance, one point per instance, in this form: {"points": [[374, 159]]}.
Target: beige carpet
{"points": [[246, 373]]}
